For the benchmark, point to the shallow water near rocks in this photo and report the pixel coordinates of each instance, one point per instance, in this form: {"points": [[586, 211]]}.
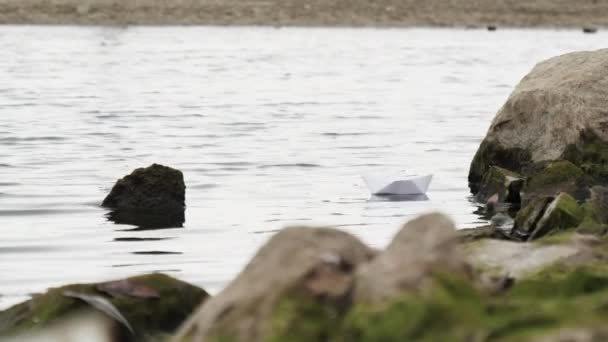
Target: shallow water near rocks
{"points": [[271, 127]]}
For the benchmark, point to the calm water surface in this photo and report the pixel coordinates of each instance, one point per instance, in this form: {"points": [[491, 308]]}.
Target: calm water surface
{"points": [[271, 127]]}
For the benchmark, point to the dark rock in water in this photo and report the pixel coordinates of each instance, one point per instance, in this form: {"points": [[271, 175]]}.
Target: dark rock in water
{"points": [[425, 247], [148, 220], [547, 215], [296, 288], [154, 188], [150, 198], [589, 29], [153, 305]]}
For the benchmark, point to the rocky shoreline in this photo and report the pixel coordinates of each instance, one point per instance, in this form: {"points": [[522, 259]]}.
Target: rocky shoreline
{"points": [[382, 13], [537, 273]]}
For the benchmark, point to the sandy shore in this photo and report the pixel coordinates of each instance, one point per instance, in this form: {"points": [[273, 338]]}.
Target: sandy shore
{"points": [[526, 13]]}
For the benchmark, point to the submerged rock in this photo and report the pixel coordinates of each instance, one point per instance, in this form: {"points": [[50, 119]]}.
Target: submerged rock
{"points": [[154, 188], [556, 112], [424, 247], [152, 305], [296, 288]]}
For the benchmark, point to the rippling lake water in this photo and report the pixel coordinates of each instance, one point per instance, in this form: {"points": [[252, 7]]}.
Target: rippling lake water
{"points": [[271, 127]]}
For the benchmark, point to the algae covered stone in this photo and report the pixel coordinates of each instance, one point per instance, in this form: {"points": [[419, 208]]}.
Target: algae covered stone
{"points": [[153, 305], [156, 188], [547, 215]]}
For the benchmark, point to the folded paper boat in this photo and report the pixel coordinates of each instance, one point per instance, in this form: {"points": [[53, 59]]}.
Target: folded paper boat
{"points": [[397, 184]]}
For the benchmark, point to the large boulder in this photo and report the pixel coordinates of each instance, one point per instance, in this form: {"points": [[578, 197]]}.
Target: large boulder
{"points": [[299, 285], [151, 197], [558, 111], [143, 307], [425, 247]]}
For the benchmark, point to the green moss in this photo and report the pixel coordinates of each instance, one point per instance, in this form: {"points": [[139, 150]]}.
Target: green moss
{"points": [[148, 316], [303, 319], [527, 219], [555, 173], [563, 213], [562, 282], [590, 223], [591, 154], [493, 154], [542, 304], [557, 238]]}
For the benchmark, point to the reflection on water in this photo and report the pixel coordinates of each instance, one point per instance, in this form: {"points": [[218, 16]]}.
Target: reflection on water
{"points": [[399, 198], [270, 127], [147, 220]]}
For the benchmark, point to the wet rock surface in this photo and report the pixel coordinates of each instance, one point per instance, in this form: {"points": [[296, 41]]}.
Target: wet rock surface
{"points": [[143, 308]]}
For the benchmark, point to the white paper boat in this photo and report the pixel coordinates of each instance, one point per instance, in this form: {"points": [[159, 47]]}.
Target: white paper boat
{"points": [[398, 184]]}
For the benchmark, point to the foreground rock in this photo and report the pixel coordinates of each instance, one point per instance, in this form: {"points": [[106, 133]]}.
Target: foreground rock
{"points": [[423, 248], [143, 308], [299, 284], [557, 112], [151, 197]]}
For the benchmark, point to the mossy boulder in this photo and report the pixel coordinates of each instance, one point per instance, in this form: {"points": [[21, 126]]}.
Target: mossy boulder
{"points": [[153, 305], [547, 215], [563, 213], [502, 182], [556, 112], [155, 188], [296, 287], [528, 217]]}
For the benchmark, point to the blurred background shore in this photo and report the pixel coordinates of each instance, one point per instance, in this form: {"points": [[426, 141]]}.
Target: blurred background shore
{"points": [[397, 13]]}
